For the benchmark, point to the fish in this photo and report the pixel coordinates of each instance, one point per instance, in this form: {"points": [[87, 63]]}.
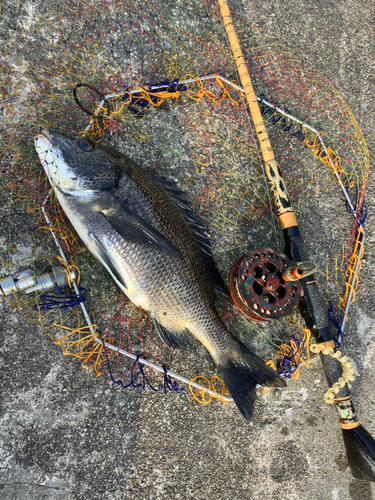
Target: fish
{"points": [[143, 233]]}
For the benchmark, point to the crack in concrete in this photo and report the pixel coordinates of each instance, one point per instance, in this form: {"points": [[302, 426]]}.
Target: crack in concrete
{"points": [[33, 484]]}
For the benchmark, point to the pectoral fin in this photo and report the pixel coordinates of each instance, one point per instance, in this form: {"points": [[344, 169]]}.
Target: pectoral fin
{"points": [[105, 260], [132, 227]]}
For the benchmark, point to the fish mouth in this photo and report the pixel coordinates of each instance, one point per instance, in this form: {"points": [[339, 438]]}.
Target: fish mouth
{"points": [[44, 142], [57, 154], [49, 139], [47, 149], [47, 134], [61, 143], [45, 146], [48, 142]]}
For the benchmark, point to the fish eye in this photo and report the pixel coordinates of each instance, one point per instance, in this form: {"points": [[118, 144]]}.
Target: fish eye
{"points": [[85, 144]]}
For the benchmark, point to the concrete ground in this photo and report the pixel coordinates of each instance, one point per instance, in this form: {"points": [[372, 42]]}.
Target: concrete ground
{"points": [[65, 435]]}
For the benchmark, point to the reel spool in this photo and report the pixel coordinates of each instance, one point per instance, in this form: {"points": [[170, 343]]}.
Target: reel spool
{"points": [[264, 284]]}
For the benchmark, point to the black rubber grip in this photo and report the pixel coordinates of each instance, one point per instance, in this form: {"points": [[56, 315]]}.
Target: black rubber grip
{"points": [[312, 305]]}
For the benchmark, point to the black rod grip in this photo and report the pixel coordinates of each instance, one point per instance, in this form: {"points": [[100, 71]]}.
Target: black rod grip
{"points": [[312, 305], [313, 309]]}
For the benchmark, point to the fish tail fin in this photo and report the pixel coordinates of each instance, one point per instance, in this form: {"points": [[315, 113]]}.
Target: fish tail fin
{"points": [[242, 371]]}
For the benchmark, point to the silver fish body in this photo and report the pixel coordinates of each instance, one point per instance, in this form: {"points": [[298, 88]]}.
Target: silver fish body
{"points": [[142, 232]]}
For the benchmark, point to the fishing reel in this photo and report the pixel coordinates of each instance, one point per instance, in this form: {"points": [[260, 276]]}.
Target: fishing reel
{"points": [[265, 284]]}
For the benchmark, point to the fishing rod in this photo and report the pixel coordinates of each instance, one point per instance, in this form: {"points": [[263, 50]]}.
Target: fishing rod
{"points": [[359, 444]]}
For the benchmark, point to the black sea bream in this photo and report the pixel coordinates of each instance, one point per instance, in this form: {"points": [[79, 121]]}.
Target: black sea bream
{"points": [[142, 232]]}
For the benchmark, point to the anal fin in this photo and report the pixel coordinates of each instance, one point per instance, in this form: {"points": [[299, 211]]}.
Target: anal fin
{"points": [[171, 338], [223, 300]]}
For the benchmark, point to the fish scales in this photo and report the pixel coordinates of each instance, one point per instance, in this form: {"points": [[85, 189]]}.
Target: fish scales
{"points": [[136, 230], [171, 288]]}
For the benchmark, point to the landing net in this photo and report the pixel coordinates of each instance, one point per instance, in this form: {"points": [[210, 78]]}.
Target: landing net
{"points": [[187, 125]]}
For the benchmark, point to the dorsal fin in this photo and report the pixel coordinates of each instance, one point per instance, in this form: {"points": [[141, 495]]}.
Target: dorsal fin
{"points": [[222, 297]]}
